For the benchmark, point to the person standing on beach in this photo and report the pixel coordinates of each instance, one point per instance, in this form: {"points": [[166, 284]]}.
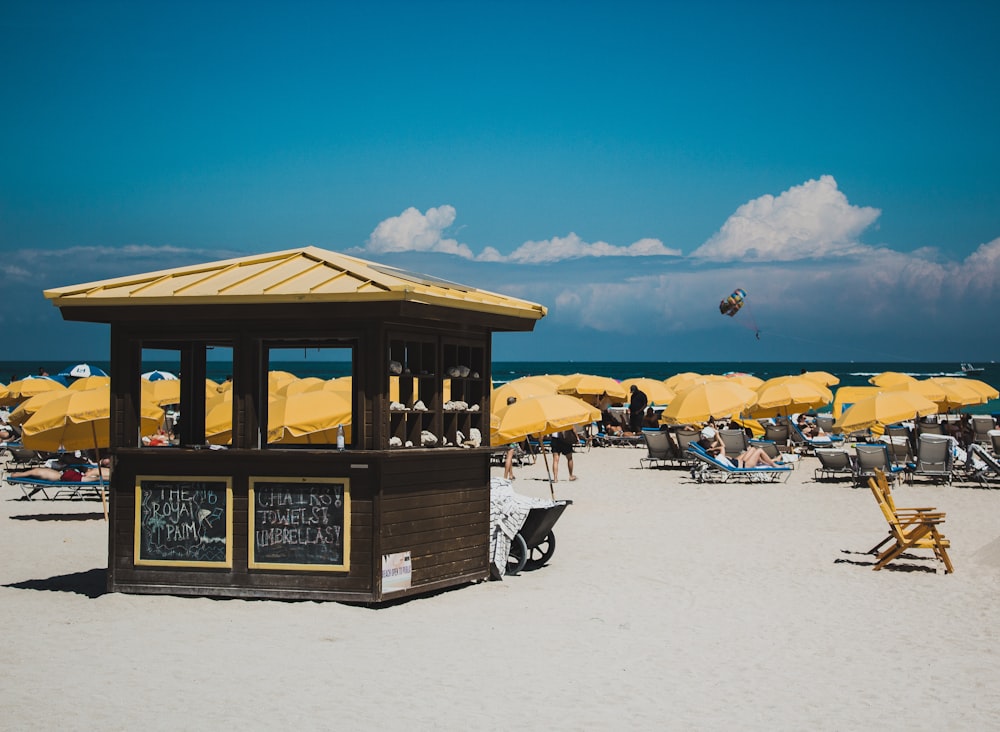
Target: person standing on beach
{"points": [[562, 444], [637, 408], [508, 461]]}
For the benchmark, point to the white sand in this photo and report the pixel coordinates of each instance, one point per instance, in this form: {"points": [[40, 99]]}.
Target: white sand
{"points": [[667, 605]]}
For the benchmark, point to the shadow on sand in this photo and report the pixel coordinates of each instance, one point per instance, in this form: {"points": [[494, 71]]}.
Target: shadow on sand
{"points": [[98, 516], [92, 583]]}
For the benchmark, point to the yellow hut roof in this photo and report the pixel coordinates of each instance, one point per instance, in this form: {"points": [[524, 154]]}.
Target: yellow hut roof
{"points": [[308, 274]]}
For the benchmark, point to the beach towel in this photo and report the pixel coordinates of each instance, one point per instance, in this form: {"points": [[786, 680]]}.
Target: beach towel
{"points": [[508, 511]]}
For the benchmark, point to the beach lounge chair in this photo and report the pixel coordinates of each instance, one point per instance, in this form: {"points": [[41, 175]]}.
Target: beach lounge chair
{"points": [[712, 469], [872, 456], [661, 449], [685, 437], [833, 464], [995, 441], [982, 425], [21, 458], [900, 451], [929, 428], [825, 422], [776, 433], [988, 474], [934, 458], [770, 448], [797, 439], [734, 440], [72, 489], [917, 530]]}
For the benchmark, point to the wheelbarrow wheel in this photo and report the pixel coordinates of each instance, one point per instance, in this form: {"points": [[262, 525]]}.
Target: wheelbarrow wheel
{"points": [[517, 557], [541, 553]]}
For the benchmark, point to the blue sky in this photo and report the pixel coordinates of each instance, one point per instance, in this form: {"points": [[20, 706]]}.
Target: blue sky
{"points": [[625, 164]]}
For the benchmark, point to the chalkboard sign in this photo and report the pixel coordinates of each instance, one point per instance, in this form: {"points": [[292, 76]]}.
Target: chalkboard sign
{"points": [[183, 521], [300, 523]]}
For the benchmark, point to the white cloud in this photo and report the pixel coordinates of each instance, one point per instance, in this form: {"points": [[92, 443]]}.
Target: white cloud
{"points": [[413, 231], [808, 221], [573, 247]]}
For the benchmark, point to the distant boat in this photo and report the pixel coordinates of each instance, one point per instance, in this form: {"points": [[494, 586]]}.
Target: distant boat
{"points": [[968, 368]]}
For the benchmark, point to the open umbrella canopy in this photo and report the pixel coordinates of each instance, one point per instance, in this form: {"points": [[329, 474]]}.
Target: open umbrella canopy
{"points": [[524, 388], [784, 395], [925, 388], [657, 392], [821, 377], [301, 386], [848, 395], [722, 398], [889, 378], [984, 389], [157, 375], [541, 416], [82, 370], [22, 389], [162, 391], [28, 407], [90, 382], [885, 407], [685, 384], [592, 388], [748, 380], [308, 418], [958, 393], [80, 420], [672, 381]]}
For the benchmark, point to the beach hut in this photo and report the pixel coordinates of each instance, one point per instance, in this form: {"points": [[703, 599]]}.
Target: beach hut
{"points": [[388, 515]]}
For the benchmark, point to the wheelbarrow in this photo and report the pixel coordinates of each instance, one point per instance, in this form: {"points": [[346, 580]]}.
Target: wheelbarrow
{"points": [[535, 543]]}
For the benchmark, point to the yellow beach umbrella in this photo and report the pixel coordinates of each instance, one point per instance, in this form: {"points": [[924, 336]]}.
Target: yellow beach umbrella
{"points": [[90, 382], [541, 415], [18, 391], [278, 379], [164, 391], [958, 393], [310, 417], [301, 386], [656, 391], [340, 385], [889, 378], [723, 398], [849, 395], [80, 420], [523, 388], [748, 380], [925, 388], [672, 381], [592, 388], [883, 408], [784, 395], [821, 377], [984, 389], [685, 384], [28, 407]]}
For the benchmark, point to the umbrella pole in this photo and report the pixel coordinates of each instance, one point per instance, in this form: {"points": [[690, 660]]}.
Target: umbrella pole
{"points": [[541, 449]]}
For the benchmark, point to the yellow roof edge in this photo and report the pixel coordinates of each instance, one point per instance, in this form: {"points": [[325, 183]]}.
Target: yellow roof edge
{"points": [[394, 284]]}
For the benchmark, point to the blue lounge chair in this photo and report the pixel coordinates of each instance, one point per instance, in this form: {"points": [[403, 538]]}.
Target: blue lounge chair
{"points": [[711, 469]]}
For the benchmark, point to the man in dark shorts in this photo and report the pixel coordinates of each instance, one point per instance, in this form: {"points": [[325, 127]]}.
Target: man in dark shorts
{"points": [[562, 444], [636, 408]]}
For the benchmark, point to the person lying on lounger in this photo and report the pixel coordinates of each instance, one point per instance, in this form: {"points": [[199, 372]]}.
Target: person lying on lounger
{"points": [[753, 457], [69, 475]]}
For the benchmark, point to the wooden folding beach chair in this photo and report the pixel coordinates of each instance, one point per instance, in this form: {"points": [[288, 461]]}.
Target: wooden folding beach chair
{"points": [[908, 528]]}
